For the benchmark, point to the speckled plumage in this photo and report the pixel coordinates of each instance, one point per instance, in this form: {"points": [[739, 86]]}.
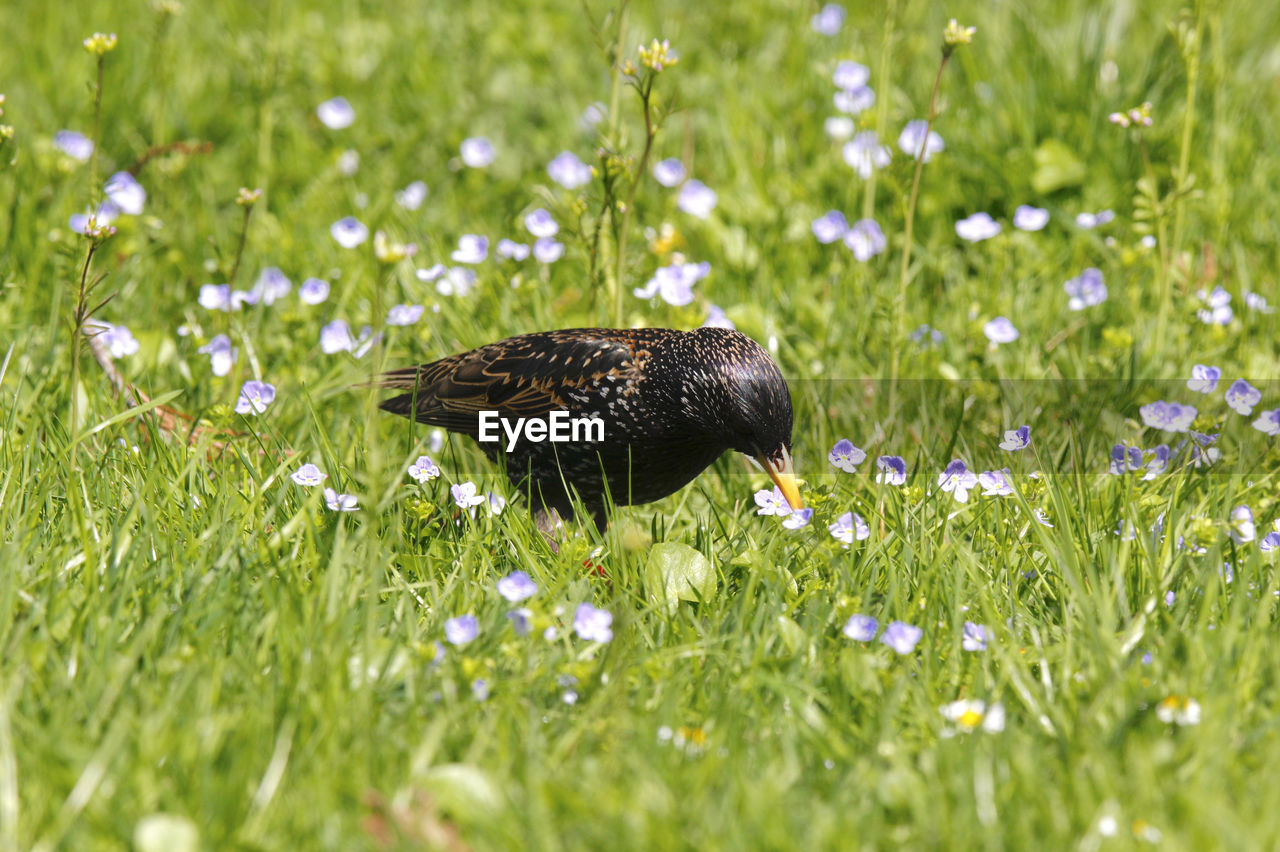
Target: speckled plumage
{"points": [[671, 401]]}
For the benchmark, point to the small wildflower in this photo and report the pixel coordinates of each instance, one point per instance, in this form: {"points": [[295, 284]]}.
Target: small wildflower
{"points": [[1158, 463], [850, 75], [412, 196], [313, 291], [1000, 330], [1139, 116], [657, 56], [100, 44], [1028, 218], [856, 100], [669, 172], [1178, 710], [548, 250], [716, 318], [1016, 439], [1088, 221], [309, 475], [1167, 416], [512, 250], [594, 625], [995, 483], [957, 34], [978, 227], [349, 232], [1085, 290], [913, 138], [517, 586], [540, 223], [480, 690], [119, 340], [1204, 379], [1268, 422], [340, 502], [828, 20], [1269, 542], [926, 335], [1257, 302], [424, 469], [1042, 518], [336, 337], [126, 193], [495, 503], [861, 628], [958, 480], [865, 240], [901, 637], [465, 495], [865, 154], [830, 226], [336, 113], [1125, 459], [255, 397], [404, 314], [390, 252], [974, 637], [845, 456], [1242, 529], [457, 281], [1242, 397], [569, 171], [1217, 307], [849, 526], [697, 199], [521, 620], [75, 145], [797, 519], [222, 355], [272, 284], [246, 197], [461, 629], [891, 470], [477, 152], [969, 716], [838, 127], [772, 502], [471, 249], [674, 283]]}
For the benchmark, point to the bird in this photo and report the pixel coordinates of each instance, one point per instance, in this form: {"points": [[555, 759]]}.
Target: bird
{"points": [[670, 402]]}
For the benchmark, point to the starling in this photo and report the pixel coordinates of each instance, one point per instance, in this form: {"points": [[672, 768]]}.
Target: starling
{"points": [[670, 403]]}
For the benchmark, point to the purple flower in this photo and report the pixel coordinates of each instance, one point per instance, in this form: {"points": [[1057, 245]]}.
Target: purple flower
{"points": [[995, 483], [975, 637], [1241, 529], [1042, 518], [309, 475], [1125, 459], [958, 479], [594, 625], [891, 470], [848, 526], [865, 154], [457, 281], [215, 297], [103, 217], [901, 637], [829, 20], [1028, 218], [1089, 221], [255, 397], [1257, 302], [978, 227], [412, 196], [716, 318], [119, 340], [461, 629], [1242, 397], [1268, 422], [1203, 378], [75, 145], [465, 495], [926, 335], [1157, 463], [1269, 542], [517, 586], [772, 502], [1167, 416], [697, 199], [471, 249], [669, 172], [477, 152], [850, 75], [511, 250], [521, 620], [424, 469], [861, 628], [568, 171], [674, 283], [540, 223], [845, 456], [1217, 307], [865, 240], [404, 314], [912, 138], [221, 354], [830, 226], [336, 113], [340, 502], [126, 193], [313, 291], [855, 100], [798, 518], [1000, 330], [1016, 439], [1085, 290], [548, 250], [272, 284], [349, 232], [336, 337]]}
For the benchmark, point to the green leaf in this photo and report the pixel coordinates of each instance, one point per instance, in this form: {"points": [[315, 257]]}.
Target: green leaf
{"points": [[1057, 167], [676, 572]]}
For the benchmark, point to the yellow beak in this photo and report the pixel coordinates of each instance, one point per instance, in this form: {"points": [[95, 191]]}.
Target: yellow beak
{"points": [[783, 477]]}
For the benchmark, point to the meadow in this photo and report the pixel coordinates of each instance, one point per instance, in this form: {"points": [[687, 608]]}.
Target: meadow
{"points": [[241, 608]]}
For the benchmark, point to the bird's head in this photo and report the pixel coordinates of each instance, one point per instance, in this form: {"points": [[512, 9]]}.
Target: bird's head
{"points": [[751, 404]]}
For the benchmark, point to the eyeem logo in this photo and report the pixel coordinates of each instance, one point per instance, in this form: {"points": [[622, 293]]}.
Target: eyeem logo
{"points": [[557, 427]]}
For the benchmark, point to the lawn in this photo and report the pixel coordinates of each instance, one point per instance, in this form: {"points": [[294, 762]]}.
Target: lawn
{"points": [[240, 610]]}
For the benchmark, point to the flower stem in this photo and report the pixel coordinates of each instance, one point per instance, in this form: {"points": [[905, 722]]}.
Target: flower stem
{"points": [[650, 131], [79, 318], [97, 123]]}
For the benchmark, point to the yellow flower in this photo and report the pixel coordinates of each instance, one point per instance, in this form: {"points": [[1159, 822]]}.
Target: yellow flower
{"points": [[6, 131], [247, 197], [389, 252], [955, 34], [100, 44], [658, 55]]}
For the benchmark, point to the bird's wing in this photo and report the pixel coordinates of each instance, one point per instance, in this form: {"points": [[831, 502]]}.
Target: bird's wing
{"points": [[529, 375]]}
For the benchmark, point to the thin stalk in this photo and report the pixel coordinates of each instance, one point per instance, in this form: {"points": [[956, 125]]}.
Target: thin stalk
{"points": [[79, 318], [650, 131], [1188, 123], [94, 189], [1163, 256], [882, 108]]}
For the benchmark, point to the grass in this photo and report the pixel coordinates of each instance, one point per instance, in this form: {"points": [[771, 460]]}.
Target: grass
{"points": [[198, 653]]}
